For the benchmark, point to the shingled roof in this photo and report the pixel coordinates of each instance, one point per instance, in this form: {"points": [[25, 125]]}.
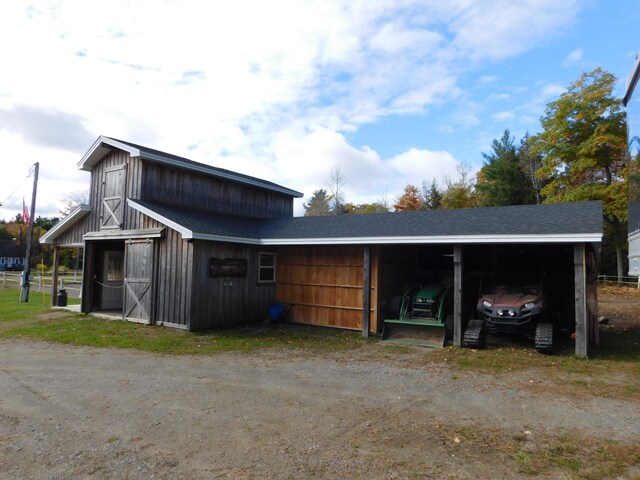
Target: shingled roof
{"points": [[551, 223], [105, 144], [9, 249]]}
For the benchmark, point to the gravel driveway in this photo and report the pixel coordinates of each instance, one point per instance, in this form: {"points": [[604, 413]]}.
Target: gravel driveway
{"points": [[70, 412]]}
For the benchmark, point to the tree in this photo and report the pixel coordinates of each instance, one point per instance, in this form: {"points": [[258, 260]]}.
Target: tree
{"points": [[73, 200], [409, 200], [318, 205], [501, 180], [530, 164], [460, 194], [336, 189], [432, 196], [583, 150], [376, 207]]}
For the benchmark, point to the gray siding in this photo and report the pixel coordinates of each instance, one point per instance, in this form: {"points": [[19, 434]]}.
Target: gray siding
{"points": [[174, 278], [181, 188], [73, 236], [215, 304]]}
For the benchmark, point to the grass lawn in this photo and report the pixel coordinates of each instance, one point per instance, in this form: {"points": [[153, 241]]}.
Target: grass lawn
{"points": [[37, 320]]}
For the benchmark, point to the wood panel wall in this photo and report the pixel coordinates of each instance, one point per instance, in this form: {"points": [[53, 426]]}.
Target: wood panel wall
{"points": [[173, 283], [133, 219], [220, 301], [176, 187], [73, 236], [325, 285]]}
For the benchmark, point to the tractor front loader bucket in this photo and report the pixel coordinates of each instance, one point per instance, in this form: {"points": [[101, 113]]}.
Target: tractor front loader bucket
{"points": [[419, 332]]}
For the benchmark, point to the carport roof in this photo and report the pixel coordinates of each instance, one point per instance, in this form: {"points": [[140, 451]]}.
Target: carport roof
{"points": [[549, 223]]}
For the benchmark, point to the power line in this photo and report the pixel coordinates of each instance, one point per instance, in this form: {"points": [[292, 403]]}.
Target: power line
{"points": [[19, 187]]}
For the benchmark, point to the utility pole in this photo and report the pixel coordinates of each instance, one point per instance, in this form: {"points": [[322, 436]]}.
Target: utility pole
{"points": [[24, 294]]}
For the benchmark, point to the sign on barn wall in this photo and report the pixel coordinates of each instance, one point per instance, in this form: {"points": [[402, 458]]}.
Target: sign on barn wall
{"points": [[227, 267]]}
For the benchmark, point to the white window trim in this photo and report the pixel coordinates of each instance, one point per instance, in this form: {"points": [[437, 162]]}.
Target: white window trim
{"points": [[272, 267]]}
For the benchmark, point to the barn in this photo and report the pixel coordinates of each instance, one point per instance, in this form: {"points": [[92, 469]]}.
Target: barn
{"points": [[169, 241]]}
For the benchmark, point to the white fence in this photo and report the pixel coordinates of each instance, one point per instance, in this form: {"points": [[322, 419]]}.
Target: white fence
{"points": [[613, 280], [71, 282]]}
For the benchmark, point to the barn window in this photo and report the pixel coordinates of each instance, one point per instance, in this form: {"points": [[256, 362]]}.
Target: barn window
{"points": [[267, 267]]}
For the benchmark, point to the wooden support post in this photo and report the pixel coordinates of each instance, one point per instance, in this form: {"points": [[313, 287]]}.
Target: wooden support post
{"points": [[582, 328], [366, 292], [54, 280], [457, 295], [87, 277]]}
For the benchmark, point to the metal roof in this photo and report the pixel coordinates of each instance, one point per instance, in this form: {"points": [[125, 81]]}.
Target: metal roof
{"points": [[549, 223], [103, 145]]}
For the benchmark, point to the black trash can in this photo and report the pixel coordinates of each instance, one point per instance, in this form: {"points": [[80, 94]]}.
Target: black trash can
{"points": [[61, 298]]}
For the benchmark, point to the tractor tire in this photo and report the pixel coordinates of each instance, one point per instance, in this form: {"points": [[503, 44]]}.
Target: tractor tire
{"points": [[474, 335], [393, 308], [544, 337], [448, 327]]}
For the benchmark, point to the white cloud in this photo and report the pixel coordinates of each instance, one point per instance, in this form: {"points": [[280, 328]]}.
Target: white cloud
{"points": [[574, 58], [494, 97], [503, 116], [264, 88]]}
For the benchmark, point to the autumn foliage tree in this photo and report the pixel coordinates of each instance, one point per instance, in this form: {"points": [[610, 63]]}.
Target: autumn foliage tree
{"points": [[583, 151], [409, 200]]}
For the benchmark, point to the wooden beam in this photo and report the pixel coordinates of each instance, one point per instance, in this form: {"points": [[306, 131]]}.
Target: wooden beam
{"points": [[54, 280], [88, 269], [457, 295], [366, 292], [582, 328]]}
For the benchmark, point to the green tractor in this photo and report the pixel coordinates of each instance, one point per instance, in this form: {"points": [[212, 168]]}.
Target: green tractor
{"points": [[424, 316]]}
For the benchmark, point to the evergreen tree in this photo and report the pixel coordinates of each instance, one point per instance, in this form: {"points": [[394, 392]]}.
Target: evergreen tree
{"points": [[432, 196], [501, 180], [318, 205]]}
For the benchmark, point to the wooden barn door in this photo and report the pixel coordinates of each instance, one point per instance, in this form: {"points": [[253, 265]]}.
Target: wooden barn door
{"points": [[112, 214], [138, 281]]}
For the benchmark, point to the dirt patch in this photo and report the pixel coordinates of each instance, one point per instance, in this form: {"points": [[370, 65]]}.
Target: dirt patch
{"points": [[52, 315], [620, 306], [70, 412]]}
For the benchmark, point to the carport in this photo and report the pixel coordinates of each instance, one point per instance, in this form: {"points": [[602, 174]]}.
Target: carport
{"points": [[555, 244]]}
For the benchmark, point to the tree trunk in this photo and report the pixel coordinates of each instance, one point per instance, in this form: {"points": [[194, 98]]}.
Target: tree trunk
{"points": [[620, 265]]}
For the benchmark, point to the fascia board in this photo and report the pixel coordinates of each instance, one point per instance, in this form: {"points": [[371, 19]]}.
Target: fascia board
{"points": [[223, 238], [184, 231], [65, 224], [632, 81], [98, 150], [462, 239]]}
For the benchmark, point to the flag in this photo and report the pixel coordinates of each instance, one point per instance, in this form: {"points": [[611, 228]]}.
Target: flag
{"points": [[25, 213]]}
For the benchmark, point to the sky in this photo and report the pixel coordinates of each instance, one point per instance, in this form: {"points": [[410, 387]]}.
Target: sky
{"points": [[390, 92]]}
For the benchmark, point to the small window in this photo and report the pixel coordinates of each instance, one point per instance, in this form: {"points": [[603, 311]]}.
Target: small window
{"points": [[267, 268], [2, 261]]}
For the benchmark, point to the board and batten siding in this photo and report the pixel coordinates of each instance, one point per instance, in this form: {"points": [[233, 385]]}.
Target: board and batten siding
{"points": [[222, 301], [324, 285], [172, 186], [74, 236], [173, 278]]}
